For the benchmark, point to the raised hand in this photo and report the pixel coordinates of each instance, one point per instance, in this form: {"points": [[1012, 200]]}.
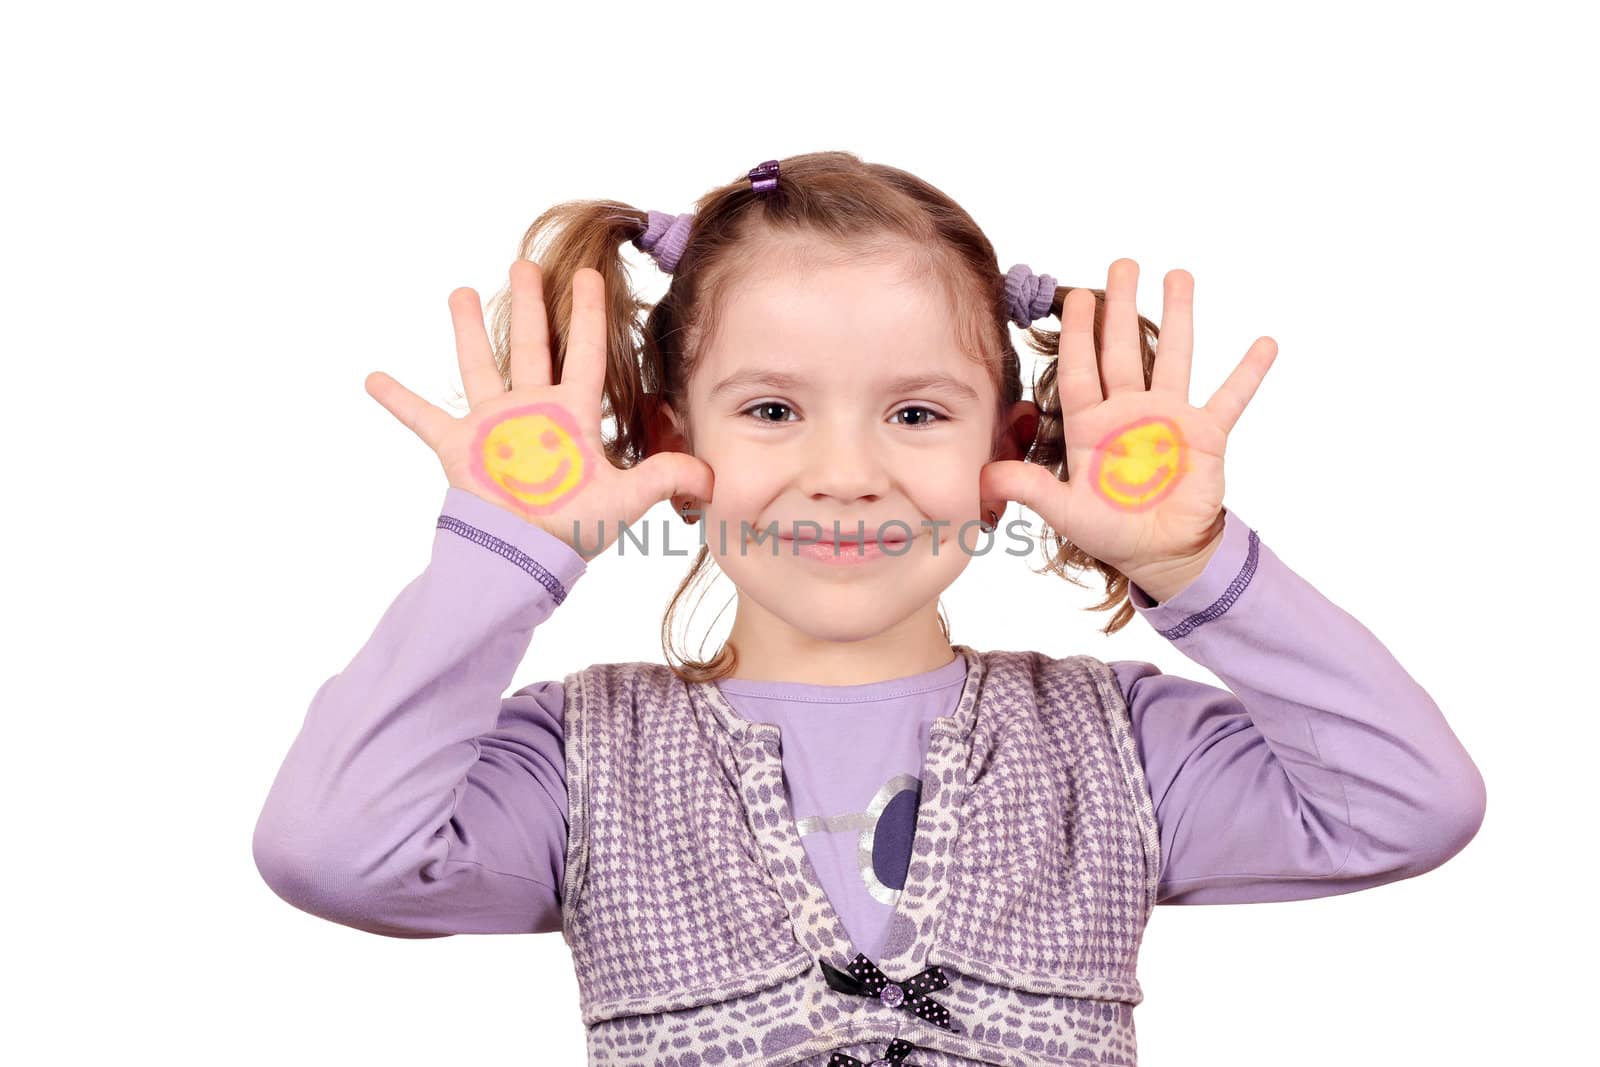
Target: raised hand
{"points": [[1144, 492], [535, 449]]}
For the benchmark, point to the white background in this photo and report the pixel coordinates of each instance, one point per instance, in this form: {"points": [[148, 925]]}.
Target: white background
{"points": [[219, 219]]}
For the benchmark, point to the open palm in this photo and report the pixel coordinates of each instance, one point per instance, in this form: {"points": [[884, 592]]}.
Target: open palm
{"points": [[536, 449], [1145, 467]]}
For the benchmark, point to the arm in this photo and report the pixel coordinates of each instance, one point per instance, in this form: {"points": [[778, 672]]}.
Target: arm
{"points": [[415, 801], [1325, 770]]}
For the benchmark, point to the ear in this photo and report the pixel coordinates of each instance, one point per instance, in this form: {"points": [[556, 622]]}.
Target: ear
{"points": [[1022, 422], [661, 426]]}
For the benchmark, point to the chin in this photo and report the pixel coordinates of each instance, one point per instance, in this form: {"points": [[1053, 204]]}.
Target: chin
{"points": [[835, 613]]}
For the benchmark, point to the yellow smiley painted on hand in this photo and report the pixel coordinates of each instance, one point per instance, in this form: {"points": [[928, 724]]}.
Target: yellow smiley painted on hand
{"points": [[1139, 464], [532, 456]]}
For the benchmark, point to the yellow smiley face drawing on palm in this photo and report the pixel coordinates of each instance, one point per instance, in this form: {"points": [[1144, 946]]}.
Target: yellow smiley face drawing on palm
{"points": [[1137, 465], [533, 457]]}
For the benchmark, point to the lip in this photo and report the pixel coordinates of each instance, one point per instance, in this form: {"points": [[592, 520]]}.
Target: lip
{"points": [[842, 553], [845, 540]]}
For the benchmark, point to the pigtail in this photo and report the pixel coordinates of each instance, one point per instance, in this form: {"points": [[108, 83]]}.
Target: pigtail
{"points": [[570, 235]]}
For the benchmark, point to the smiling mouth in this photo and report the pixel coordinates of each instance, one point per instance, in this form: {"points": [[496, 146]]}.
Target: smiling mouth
{"points": [[846, 540], [1129, 489], [543, 486]]}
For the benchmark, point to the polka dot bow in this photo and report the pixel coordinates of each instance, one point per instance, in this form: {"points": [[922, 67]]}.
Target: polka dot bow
{"points": [[899, 1049], [865, 980]]}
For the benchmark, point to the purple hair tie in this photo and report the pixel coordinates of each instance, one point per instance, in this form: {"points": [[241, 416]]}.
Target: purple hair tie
{"points": [[665, 237], [1028, 295], [764, 177]]}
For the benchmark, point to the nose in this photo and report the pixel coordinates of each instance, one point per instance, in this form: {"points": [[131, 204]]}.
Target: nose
{"points": [[845, 463]]}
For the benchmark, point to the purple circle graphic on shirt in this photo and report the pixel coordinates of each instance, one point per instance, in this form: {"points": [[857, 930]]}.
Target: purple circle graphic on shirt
{"points": [[892, 839]]}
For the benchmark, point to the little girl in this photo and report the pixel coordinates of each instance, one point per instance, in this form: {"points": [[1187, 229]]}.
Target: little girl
{"points": [[844, 839]]}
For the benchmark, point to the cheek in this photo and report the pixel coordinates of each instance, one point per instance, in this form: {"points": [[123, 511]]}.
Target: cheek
{"points": [[950, 505], [734, 486], [945, 489], [742, 475], [736, 499]]}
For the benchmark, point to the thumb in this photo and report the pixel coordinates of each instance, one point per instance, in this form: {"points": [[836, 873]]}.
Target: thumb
{"points": [[1029, 484], [666, 474]]}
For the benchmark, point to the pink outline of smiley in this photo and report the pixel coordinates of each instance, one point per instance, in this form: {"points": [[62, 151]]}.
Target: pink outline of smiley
{"points": [[568, 425], [1098, 475]]}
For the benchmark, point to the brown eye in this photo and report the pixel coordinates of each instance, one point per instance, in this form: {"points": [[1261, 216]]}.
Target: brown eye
{"points": [[925, 412], [768, 405]]}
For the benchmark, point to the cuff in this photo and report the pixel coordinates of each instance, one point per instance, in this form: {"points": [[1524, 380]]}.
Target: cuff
{"points": [[1213, 592], [543, 556]]}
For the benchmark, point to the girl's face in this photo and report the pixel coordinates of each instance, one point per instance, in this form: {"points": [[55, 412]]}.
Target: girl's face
{"points": [[840, 396]]}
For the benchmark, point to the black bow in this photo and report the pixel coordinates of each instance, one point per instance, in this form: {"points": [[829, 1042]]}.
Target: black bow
{"points": [[865, 980], [899, 1049]]}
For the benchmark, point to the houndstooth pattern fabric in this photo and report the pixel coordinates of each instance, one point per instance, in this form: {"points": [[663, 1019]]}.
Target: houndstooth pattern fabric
{"points": [[696, 921]]}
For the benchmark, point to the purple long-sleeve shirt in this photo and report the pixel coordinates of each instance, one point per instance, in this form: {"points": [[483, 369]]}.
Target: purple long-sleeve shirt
{"points": [[416, 801]]}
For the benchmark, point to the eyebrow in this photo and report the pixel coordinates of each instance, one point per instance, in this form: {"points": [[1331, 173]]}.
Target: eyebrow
{"points": [[909, 383]]}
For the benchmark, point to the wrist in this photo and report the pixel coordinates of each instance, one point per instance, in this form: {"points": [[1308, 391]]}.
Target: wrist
{"points": [[1165, 579]]}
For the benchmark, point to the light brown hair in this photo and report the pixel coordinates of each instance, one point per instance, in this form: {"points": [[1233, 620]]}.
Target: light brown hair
{"points": [[852, 209]]}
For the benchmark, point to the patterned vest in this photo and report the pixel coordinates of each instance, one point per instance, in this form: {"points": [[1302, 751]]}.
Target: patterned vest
{"points": [[700, 932]]}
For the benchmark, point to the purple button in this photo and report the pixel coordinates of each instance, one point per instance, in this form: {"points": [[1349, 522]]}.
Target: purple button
{"points": [[892, 995]]}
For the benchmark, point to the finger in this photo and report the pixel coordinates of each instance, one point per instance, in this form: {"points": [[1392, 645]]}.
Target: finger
{"points": [[1029, 484], [422, 418], [1229, 401], [1077, 375], [1121, 364], [1175, 346], [530, 330], [667, 474], [473, 354], [584, 365]]}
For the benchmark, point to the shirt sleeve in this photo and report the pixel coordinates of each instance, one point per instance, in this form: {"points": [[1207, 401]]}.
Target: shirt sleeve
{"points": [[1322, 769], [415, 800]]}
